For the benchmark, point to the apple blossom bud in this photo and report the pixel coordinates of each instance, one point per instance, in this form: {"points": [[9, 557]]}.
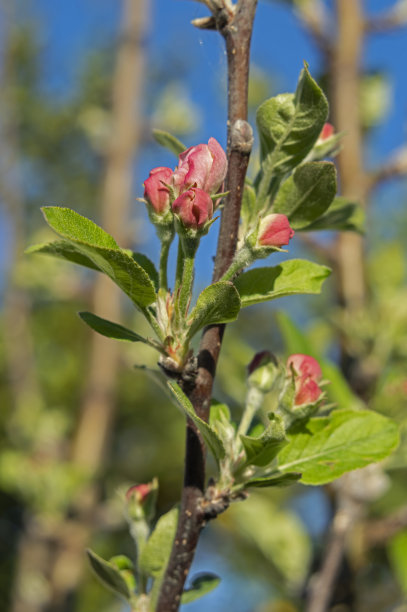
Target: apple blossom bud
{"points": [[327, 131], [140, 501], [275, 231], [307, 374], [194, 208], [305, 365], [155, 192], [262, 371], [203, 166]]}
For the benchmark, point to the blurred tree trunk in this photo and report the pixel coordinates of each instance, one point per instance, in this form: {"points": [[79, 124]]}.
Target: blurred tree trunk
{"points": [[64, 559]]}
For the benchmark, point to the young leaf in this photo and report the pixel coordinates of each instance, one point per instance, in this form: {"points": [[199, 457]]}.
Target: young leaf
{"points": [[307, 193], [328, 447], [110, 329], [109, 574], [156, 553], [170, 142], [148, 266], [342, 215], [91, 242], [201, 585], [211, 438], [218, 303], [276, 480], [262, 450], [289, 125], [291, 277], [73, 226], [64, 250]]}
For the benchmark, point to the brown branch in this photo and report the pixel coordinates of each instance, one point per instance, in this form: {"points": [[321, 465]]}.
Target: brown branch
{"points": [[392, 20], [378, 532], [236, 28]]}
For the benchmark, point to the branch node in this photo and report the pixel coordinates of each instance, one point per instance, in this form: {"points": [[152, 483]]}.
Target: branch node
{"points": [[241, 137]]}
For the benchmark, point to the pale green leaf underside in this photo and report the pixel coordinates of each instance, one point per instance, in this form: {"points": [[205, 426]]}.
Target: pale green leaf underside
{"points": [[307, 193], [90, 242], [200, 586], [64, 250], [218, 303], [328, 447], [170, 142], [276, 480], [291, 277], [211, 438], [109, 575]]}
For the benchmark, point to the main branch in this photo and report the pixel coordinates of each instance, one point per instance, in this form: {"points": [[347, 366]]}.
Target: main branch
{"points": [[236, 28]]}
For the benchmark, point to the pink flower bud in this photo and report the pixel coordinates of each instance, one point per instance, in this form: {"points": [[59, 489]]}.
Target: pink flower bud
{"points": [[307, 373], [139, 492], [305, 364], [275, 231], [155, 192], [203, 166], [194, 207], [327, 131]]}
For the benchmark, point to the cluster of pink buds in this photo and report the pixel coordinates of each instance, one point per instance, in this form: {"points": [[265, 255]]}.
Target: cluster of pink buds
{"points": [[307, 375], [275, 231], [188, 190]]}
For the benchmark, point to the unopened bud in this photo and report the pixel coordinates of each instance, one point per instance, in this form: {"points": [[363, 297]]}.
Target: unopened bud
{"points": [[263, 371]]}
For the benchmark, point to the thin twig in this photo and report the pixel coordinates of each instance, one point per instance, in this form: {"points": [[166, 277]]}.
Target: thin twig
{"points": [[395, 167], [236, 28]]}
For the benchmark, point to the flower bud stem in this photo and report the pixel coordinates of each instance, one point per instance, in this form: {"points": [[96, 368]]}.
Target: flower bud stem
{"points": [[187, 280], [254, 401], [165, 249], [243, 259]]}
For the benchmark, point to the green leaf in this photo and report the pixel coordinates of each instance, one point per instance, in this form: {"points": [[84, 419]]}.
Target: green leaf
{"points": [[201, 585], [155, 554], [249, 207], [342, 215], [276, 480], [94, 244], [148, 266], [170, 142], [291, 277], [218, 303], [295, 340], [307, 193], [289, 125], [110, 329], [262, 450], [64, 250], [397, 552], [109, 574], [211, 438], [74, 226], [328, 447]]}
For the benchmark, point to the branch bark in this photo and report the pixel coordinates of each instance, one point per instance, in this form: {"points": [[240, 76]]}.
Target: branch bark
{"points": [[236, 28]]}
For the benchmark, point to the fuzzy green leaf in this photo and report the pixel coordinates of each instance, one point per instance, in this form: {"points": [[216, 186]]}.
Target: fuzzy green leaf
{"points": [[91, 242], [277, 480], [211, 438], [73, 226], [200, 586], [327, 447], [289, 125], [64, 250], [109, 574], [170, 142], [218, 303], [307, 193], [342, 215], [110, 329], [156, 552], [291, 277], [262, 450], [147, 265]]}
